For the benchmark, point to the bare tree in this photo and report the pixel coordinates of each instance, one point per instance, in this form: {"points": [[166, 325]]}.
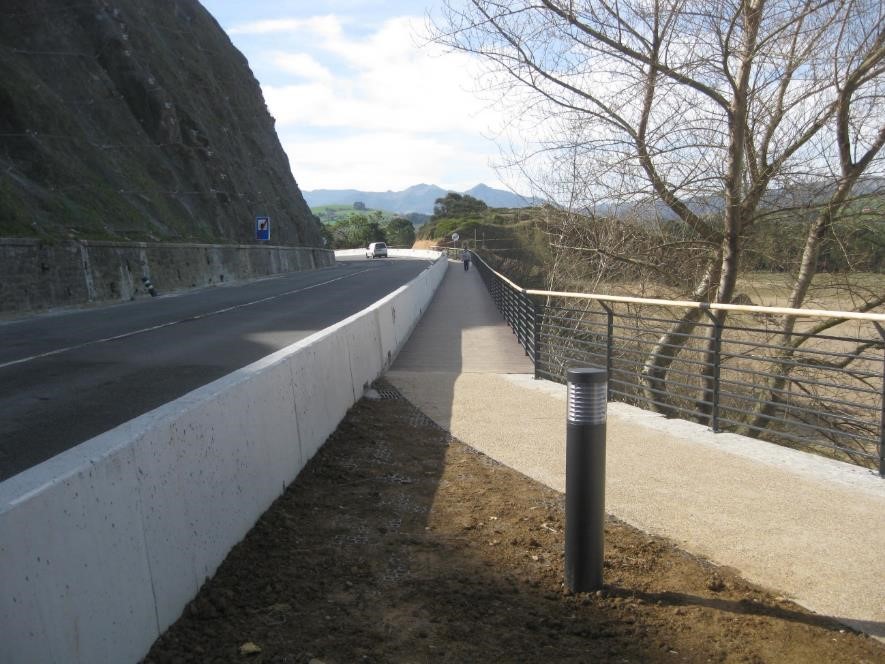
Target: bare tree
{"points": [[705, 111]]}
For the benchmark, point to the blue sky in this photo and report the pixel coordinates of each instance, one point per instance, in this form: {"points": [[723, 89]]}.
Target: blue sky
{"points": [[360, 100]]}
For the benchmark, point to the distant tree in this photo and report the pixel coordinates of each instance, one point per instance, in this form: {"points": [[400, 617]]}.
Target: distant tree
{"points": [[359, 205], [356, 231], [400, 232], [417, 218], [328, 237], [457, 205]]}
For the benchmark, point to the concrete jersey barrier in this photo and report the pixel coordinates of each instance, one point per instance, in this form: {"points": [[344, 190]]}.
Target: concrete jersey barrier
{"points": [[102, 546]]}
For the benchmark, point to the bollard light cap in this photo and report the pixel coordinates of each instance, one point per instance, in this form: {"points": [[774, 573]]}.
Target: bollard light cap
{"points": [[587, 395], [586, 375]]}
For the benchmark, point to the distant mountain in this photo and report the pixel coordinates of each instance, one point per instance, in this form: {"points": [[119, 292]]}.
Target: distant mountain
{"points": [[498, 198], [418, 198]]}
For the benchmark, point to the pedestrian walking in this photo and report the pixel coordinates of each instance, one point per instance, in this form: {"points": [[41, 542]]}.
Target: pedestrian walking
{"points": [[465, 256]]}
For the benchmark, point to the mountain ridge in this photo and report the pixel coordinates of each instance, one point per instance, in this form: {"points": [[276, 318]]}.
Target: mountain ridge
{"points": [[417, 198]]}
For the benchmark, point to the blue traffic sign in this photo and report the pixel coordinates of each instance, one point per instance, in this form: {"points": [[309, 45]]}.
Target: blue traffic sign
{"points": [[262, 228]]}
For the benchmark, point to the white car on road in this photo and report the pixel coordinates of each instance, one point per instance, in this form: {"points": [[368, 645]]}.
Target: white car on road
{"points": [[376, 250]]}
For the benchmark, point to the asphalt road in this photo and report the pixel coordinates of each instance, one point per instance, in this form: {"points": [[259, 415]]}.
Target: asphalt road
{"points": [[68, 376]]}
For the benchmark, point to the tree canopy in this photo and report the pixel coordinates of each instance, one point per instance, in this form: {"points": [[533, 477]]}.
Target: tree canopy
{"points": [[457, 205], [400, 232], [357, 230]]}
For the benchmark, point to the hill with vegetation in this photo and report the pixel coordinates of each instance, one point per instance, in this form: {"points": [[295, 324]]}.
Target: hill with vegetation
{"points": [[512, 240], [136, 121], [419, 198]]}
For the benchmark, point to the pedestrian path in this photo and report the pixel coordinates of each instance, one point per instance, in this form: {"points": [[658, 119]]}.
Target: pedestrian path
{"points": [[808, 528]]}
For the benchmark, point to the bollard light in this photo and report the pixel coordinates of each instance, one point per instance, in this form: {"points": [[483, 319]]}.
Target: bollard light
{"points": [[585, 478]]}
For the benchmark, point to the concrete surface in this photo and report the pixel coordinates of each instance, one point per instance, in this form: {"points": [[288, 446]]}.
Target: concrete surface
{"points": [[102, 546], [804, 527]]}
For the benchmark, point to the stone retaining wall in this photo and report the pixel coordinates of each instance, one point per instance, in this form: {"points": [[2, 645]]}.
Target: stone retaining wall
{"points": [[35, 275]]}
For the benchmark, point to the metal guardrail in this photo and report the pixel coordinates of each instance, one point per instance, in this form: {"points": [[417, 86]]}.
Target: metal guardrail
{"points": [[820, 387]]}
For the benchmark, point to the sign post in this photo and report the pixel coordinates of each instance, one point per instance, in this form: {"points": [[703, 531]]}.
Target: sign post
{"points": [[262, 228], [455, 237]]}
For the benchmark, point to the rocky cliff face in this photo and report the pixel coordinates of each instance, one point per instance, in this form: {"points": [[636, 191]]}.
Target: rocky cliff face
{"points": [[131, 120]]}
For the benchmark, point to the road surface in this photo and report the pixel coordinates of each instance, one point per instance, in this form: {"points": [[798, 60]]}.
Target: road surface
{"points": [[68, 376]]}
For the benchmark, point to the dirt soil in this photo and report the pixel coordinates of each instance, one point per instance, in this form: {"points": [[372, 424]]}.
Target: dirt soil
{"points": [[399, 544]]}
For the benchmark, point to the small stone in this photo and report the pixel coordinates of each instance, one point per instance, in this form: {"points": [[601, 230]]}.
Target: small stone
{"points": [[715, 583], [250, 648]]}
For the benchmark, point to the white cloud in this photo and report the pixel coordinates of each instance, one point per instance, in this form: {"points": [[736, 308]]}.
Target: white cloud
{"points": [[302, 65], [384, 161], [373, 112], [393, 85], [394, 42], [328, 27]]}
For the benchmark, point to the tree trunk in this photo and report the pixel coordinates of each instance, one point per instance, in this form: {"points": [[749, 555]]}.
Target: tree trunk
{"points": [[671, 343]]}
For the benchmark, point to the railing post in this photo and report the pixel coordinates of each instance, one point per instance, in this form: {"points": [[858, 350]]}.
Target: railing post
{"points": [[523, 321], [536, 333], [882, 408], [717, 370], [609, 345], [507, 313], [717, 366], [882, 418]]}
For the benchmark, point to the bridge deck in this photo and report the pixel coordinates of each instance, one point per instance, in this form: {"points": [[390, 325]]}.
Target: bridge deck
{"points": [[803, 526]]}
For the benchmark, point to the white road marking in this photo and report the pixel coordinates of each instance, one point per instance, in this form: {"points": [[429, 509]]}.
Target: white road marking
{"points": [[94, 342]]}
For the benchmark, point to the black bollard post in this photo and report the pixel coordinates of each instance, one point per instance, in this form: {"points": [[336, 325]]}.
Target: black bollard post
{"points": [[585, 479], [149, 286]]}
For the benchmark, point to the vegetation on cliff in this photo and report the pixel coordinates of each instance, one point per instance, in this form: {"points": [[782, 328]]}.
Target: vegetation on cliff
{"points": [[136, 122]]}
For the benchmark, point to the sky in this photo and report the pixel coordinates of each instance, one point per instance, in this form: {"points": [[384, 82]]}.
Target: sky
{"points": [[361, 99]]}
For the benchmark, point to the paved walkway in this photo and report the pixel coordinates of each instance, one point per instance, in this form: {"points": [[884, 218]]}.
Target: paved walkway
{"points": [[802, 526]]}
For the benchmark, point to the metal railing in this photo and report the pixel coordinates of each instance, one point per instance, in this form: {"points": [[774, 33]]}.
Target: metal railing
{"points": [[818, 387]]}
